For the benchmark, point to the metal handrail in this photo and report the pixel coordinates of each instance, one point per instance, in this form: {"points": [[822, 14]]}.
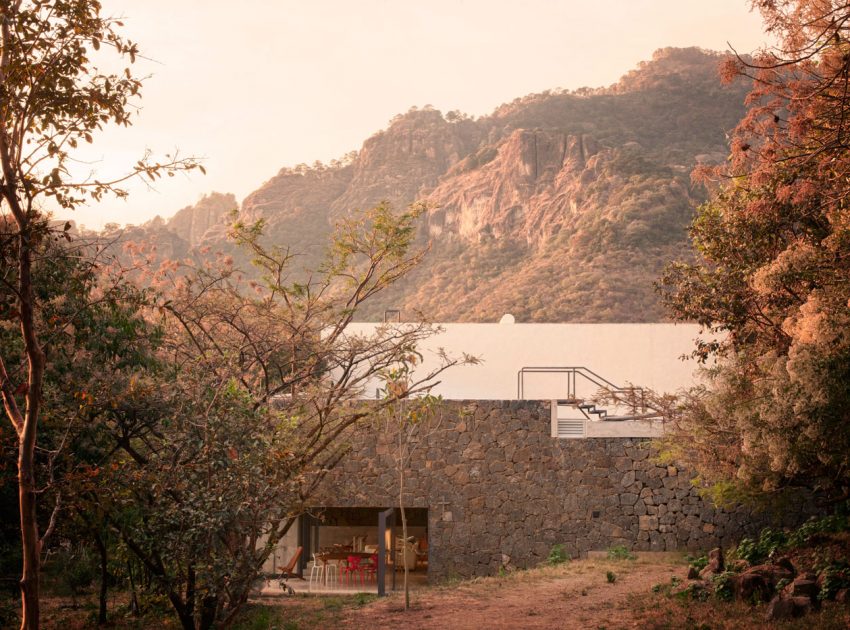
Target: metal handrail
{"points": [[571, 372]]}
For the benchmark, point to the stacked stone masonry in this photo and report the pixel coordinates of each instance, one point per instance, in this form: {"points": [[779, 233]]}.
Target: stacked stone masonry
{"points": [[501, 492]]}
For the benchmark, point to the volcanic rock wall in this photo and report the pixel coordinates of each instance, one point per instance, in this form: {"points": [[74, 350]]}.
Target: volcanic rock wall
{"points": [[501, 492]]}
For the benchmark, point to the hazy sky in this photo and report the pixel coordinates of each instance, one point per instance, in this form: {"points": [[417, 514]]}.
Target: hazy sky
{"points": [[255, 85]]}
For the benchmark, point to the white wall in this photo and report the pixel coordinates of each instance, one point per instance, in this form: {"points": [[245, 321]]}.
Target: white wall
{"points": [[645, 355]]}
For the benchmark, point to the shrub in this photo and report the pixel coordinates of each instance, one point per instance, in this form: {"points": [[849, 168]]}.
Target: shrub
{"points": [[826, 525], [699, 563], [835, 577], [695, 591], [76, 570], [557, 555], [724, 587], [756, 551], [611, 577], [620, 552]]}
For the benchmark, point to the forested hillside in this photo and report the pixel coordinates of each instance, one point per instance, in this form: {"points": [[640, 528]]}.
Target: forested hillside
{"points": [[559, 206]]}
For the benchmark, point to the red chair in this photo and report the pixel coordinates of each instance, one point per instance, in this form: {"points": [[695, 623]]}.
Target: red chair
{"points": [[352, 567], [371, 568]]}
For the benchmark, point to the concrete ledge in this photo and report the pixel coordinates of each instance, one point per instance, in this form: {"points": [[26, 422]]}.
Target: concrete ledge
{"points": [[624, 428]]}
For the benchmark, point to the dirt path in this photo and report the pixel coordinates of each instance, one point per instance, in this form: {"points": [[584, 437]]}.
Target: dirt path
{"points": [[576, 595]]}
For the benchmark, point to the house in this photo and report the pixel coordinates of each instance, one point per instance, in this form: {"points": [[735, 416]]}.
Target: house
{"points": [[520, 464]]}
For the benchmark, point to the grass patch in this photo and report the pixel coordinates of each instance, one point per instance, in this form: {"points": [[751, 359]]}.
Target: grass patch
{"points": [[620, 552], [558, 555]]}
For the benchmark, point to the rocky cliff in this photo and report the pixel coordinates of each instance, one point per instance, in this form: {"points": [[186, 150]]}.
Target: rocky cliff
{"points": [[560, 206], [192, 223]]}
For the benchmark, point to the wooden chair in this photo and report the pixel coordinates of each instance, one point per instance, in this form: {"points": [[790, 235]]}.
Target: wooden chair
{"points": [[288, 572]]}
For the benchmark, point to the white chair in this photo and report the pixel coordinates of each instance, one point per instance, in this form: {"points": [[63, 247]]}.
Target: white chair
{"points": [[331, 572], [317, 572]]}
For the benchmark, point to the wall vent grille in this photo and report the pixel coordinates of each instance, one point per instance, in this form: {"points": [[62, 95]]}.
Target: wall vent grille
{"points": [[573, 429]]}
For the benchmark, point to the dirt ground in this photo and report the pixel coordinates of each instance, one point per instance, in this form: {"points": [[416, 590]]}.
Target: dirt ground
{"points": [[578, 594]]}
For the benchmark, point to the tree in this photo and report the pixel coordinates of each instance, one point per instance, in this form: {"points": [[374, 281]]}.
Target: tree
{"points": [[53, 97], [773, 276], [212, 448], [408, 422]]}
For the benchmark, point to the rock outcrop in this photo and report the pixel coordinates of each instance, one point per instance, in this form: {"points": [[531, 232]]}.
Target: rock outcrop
{"points": [[559, 206], [192, 223]]}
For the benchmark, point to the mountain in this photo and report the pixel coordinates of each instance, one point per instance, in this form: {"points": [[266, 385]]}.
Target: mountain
{"points": [[559, 206]]}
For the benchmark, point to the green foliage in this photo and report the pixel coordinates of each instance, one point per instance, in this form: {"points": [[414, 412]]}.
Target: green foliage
{"points": [[724, 587], [620, 552], [755, 551], [610, 577], [200, 443], [698, 562], [836, 576], [557, 555], [361, 599], [826, 525], [693, 591], [76, 570]]}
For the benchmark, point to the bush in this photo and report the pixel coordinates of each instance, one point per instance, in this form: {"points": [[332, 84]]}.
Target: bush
{"points": [[826, 525], [835, 577], [699, 563], [611, 577], [558, 556], [76, 570], [620, 552], [724, 587], [756, 551]]}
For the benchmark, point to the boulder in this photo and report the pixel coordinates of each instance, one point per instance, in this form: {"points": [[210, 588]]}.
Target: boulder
{"points": [[803, 586], [803, 605], [786, 564], [715, 565], [780, 608], [753, 587], [772, 573], [715, 560]]}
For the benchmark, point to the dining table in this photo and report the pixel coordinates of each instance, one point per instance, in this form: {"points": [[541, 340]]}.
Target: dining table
{"points": [[325, 556]]}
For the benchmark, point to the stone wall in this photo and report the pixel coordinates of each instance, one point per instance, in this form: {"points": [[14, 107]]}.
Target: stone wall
{"points": [[501, 492]]}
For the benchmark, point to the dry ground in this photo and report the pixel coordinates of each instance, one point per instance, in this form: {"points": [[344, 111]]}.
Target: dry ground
{"points": [[575, 595]]}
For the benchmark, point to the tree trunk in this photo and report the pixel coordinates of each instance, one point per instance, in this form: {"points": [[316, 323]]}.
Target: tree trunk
{"points": [[134, 600], [187, 620], [30, 544], [209, 610], [403, 537], [104, 580], [29, 539], [190, 599]]}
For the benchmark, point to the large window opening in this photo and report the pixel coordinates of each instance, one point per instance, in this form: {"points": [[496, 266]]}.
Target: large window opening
{"points": [[329, 534]]}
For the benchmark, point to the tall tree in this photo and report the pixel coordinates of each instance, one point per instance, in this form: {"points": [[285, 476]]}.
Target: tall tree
{"points": [[774, 271], [53, 97], [210, 451]]}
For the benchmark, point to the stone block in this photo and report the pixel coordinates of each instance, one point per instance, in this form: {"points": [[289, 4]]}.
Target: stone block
{"points": [[648, 523], [628, 498]]}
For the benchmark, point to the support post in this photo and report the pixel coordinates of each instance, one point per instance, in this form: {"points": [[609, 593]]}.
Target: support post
{"points": [[385, 518]]}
